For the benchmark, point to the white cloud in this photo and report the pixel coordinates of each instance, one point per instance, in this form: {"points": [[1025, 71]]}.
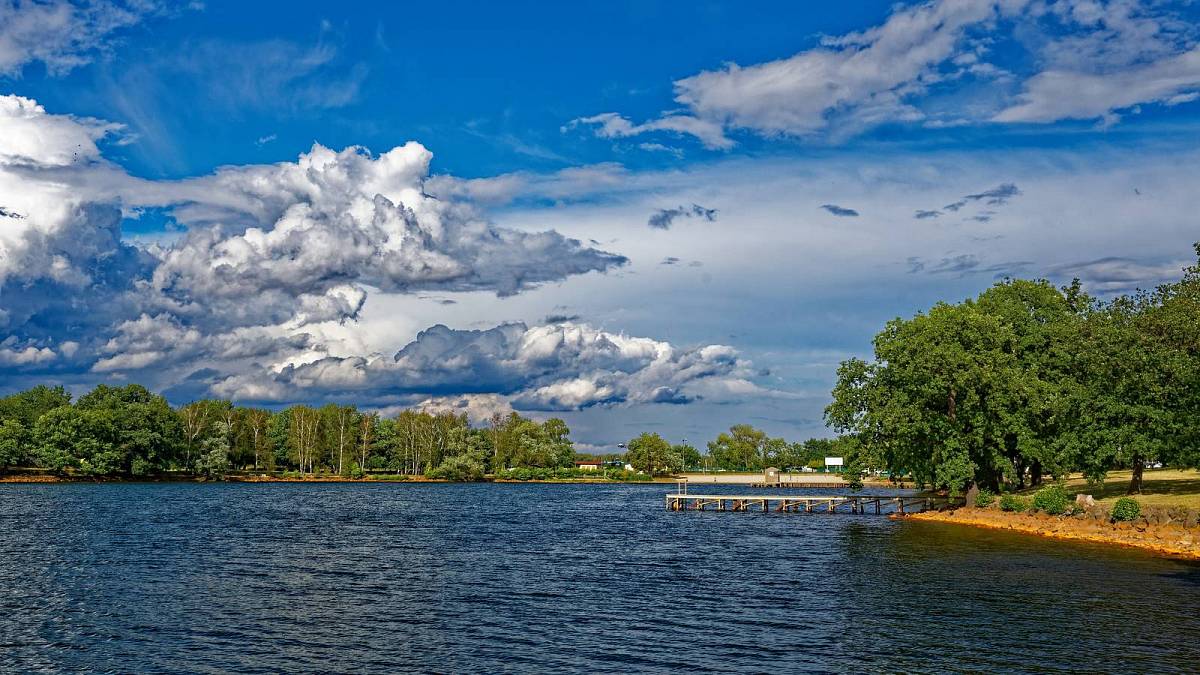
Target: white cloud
{"points": [[562, 185], [14, 354], [565, 366], [937, 63], [614, 125], [1055, 95], [61, 35], [245, 303]]}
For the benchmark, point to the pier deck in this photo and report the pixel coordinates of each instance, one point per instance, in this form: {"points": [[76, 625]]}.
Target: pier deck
{"points": [[879, 504]]}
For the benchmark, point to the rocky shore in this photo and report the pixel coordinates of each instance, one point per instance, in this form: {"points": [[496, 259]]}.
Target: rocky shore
{"points": [[1173, 531]]}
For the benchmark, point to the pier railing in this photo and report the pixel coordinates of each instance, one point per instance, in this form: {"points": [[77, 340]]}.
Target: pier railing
{"points": [[681, 500]]}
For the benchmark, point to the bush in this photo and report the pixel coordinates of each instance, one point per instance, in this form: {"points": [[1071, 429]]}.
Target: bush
{"points": [[1013, 503], [984, 499], [1126, 509], [1052, 499], [458, 468]]}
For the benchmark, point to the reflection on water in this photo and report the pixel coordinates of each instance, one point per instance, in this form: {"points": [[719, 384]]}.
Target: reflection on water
{"points": [[454, 578]]}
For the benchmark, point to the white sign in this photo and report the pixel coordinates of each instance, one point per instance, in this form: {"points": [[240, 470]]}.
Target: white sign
{"points": [[833, 461]]}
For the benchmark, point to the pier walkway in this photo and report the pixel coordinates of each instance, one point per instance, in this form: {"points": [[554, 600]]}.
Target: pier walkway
{"points": [[681, 500]]}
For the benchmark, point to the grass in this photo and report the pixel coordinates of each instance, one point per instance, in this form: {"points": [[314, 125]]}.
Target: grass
{"points": [[1160, 487]]}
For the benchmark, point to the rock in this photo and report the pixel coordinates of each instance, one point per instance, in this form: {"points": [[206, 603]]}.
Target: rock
{"points": [[1086, 501]]}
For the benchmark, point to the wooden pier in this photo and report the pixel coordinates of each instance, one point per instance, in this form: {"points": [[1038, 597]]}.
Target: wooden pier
{"points": [[801, 485], [681, 500]]}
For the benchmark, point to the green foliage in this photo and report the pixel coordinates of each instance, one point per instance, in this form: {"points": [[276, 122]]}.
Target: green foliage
{"points": [[652, 454], [458, 468], [13, 439], [1052, 499], [743, 448], [1126, 509], [544, 474], [1027, 381], [1015, 503], [984, 498], [106, 431]]}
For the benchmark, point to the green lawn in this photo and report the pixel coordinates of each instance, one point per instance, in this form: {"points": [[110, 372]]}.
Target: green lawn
{"points": [[1160, 487]]}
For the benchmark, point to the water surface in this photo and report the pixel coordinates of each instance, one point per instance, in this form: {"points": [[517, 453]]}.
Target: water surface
{"points": [[490, 578]]}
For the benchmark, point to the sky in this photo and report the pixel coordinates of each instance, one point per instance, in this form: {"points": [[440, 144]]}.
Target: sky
{"points": [[636, 216]]}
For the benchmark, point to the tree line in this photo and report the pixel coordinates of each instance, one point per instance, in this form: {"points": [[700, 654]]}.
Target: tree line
{"points": [[130, 431], [133, 432], [1029, 381], [742, 448]]}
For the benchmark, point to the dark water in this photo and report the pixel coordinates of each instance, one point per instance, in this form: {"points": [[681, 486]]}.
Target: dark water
{"points": [[495, 578]]}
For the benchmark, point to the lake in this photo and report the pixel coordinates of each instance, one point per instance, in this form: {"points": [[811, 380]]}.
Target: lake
{"points": [[386, 578]]}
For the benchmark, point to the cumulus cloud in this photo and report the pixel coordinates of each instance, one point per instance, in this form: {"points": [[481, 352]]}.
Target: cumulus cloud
{"points": [[271, 256], [664, 218], [12, 353], [268, 253], [60, 34], [563, 366]]}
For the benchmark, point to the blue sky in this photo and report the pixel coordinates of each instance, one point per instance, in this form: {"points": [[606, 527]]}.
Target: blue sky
{"points": [[694, 211]]}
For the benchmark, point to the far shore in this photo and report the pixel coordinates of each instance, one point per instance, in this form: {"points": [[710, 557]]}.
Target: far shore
{"points": [[693, 479], [50, 478]]}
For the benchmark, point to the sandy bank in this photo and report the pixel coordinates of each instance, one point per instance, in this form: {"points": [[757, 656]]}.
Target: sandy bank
{"points": [[1171, 532]]}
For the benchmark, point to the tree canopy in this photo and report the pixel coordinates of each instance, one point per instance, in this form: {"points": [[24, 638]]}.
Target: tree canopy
{"points": [[1028, 380]]}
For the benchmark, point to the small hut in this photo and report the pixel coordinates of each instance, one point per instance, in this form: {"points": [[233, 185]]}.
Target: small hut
{"points": [[771, 476]]}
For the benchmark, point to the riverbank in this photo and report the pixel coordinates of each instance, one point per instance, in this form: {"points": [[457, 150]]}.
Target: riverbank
{"points": [[308, 478], [1173, 531]]}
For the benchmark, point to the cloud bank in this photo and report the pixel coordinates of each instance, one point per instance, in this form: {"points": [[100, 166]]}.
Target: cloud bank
{"points": [[268, 258]]}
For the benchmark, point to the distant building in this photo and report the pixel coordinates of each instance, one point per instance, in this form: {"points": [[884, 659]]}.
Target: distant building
{"points": [[588, 464], [834, 463]]}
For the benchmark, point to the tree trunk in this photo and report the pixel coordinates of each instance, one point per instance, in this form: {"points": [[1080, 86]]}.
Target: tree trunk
{"points": [[1135, 485], [1035, 474]]}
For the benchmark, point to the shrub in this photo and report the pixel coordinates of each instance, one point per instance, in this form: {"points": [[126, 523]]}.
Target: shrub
{"points": [[1052, 499], [1126, 509], [1013, 503], [457, 468], [984, 499]]}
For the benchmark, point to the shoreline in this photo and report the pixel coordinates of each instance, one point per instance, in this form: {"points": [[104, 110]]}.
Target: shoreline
{"points": [[50, 479], [1155, 531]]}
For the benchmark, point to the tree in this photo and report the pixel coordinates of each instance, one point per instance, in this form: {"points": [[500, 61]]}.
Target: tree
{"points": [[966, 393], [304, 426], [689, 456], [743, 448], [214, 456], [368, 425], [652, 454], [13, 439], [340, 424]]}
